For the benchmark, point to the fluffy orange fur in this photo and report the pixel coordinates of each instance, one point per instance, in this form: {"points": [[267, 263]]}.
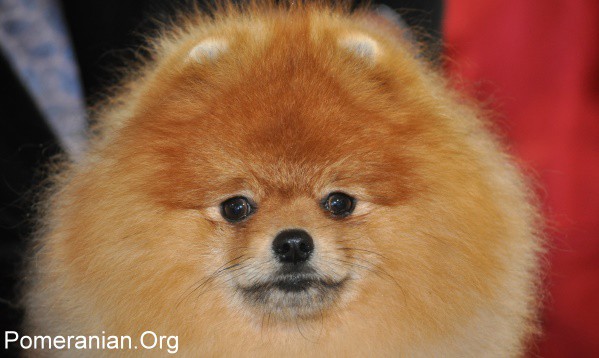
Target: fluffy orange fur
{"points": [[287, 103]]}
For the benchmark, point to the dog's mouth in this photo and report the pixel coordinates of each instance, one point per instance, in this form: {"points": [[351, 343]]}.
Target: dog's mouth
{"points": [[293, 295], [294, 284]]}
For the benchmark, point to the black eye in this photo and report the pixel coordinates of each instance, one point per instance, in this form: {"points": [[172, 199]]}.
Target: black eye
{"points": [[339, 204], [236, 209]]}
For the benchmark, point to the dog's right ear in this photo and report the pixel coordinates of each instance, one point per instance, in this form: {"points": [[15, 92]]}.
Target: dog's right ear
{"points": [[208, 50]]}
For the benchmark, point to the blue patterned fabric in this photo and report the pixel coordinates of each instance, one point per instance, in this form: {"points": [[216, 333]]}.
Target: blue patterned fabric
{"points": [[35, 41]]}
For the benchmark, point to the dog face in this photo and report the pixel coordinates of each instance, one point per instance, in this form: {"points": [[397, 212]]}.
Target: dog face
{"points": [[292, 187]]}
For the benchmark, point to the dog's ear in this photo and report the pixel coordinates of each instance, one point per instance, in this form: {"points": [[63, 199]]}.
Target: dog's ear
{"points": [[208, 50], [361, 46]]}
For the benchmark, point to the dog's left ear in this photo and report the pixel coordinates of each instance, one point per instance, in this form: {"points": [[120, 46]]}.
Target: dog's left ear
{"points": [[208, 50], [361, 46]]}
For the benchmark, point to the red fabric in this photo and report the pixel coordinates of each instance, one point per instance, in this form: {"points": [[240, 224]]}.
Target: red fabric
{"points": [[537, 63]]}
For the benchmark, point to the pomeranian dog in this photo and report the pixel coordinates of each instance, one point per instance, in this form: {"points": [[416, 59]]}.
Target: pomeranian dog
{"points": [[290, 180]]}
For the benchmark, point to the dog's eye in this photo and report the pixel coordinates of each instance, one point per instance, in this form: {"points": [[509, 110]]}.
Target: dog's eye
{"points": [[339, 204], [236, 209]]}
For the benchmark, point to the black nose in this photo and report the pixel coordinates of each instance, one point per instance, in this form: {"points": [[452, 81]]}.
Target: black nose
{"points": [[293, 246]]}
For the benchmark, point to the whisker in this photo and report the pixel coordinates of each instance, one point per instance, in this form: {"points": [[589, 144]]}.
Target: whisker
{"points": [[233, 277], [377, 270], [199, 284], [349, 248]]}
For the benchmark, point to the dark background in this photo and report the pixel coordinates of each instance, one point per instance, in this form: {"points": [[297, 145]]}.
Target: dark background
{"points": [[105, 34]]}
